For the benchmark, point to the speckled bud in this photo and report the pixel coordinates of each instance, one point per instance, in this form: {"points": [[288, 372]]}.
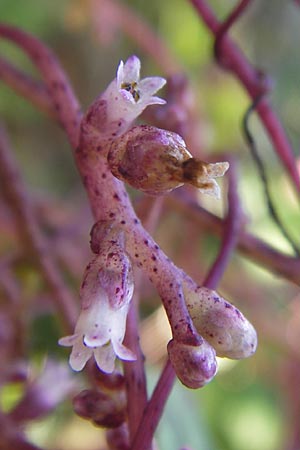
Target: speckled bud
{"points": [[103, 410], [220, 323], [195, 366], [157, 161]]}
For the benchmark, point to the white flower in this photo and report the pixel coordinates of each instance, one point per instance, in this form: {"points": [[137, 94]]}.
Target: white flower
{"points": [[127, 96], [101, 326], [99, 331]]}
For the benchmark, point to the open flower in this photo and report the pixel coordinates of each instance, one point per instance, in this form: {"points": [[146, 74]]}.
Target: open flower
{"points": [[100, 332], [127, 96], [101, 326]]}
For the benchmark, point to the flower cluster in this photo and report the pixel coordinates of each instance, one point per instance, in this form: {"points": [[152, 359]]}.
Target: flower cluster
{"points": [[154, 161]]}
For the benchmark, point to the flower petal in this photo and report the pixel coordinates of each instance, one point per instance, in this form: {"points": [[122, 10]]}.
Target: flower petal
{"points": [[131, 71], [217, 169], [211, 187], [154, 101], [101, 337], [79, 356], [150, 85], [105, 358], [68, 341], [120, 74], [123, 352]]}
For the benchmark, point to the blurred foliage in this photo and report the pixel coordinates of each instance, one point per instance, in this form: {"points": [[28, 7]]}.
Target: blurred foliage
{"points": [[244, 408]]}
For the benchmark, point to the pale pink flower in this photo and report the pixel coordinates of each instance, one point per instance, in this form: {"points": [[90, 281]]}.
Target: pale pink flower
{"points": [[100, 329], [127, 96]]}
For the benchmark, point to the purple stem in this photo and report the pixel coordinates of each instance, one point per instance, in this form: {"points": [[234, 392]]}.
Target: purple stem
{"points": [[154, 409], [26, 86], [63, 99], [134, 372], [252, 247], [249, 77], [224, 27], [230, 231]]}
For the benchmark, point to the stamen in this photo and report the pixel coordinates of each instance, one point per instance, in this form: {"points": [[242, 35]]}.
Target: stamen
{"points": [[132, 88]]}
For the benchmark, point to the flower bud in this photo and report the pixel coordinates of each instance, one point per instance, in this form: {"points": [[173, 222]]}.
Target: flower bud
{"points": [[195, 366], [157, 161], [220, 323], [103, 410]]}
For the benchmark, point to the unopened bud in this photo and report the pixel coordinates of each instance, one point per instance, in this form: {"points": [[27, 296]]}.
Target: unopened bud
{"points": [[103, 410], [195, 366], [220, 323], [157, 161]]}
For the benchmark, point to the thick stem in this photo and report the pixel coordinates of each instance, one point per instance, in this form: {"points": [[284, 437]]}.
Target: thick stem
{"points": [[109, 201], [134, 372]]}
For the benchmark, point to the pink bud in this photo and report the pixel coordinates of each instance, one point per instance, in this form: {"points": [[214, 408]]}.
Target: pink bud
{"points": [[103, 410], [195, 366], [220, 323], [157, 161]]}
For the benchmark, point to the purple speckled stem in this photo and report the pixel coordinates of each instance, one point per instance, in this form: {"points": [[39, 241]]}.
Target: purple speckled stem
{"points": [[156, 404], [163, 388], [134, 371], [109, 201], [248, 76]]}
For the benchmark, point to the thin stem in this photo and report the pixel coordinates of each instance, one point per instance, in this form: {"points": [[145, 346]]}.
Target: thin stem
{"points": [[63, 99], [134, 372], [154, 409], [33, 90], [230, 231], [263, 176], [258, 251], [251, 79], [15, 194]]}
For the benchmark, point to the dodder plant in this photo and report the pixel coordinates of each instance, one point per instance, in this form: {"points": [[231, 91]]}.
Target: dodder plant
{"points": [[110, 152]]}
